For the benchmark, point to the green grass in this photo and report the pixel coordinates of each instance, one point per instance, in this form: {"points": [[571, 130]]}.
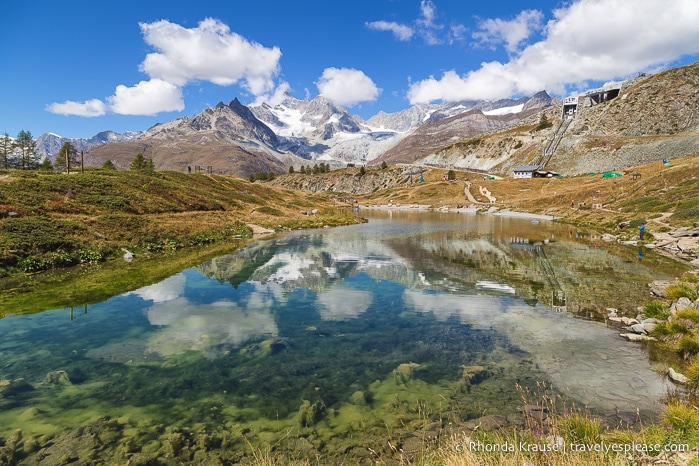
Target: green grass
{"points": [[66, 220], [681, 290], [656, 309], [646, 204], [92, 283]]}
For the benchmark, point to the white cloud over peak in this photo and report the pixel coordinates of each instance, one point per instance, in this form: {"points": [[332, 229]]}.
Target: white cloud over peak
{"points": [[89, 108], [346, 86], [512, 33], [147, 98], [209, 52], [590, 40]]}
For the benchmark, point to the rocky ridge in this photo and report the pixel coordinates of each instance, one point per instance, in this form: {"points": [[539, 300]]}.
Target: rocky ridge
{"points": [[653, 118]]}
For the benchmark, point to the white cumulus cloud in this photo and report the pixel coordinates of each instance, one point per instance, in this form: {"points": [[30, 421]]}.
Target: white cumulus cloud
{"points": [[147, 98], [89, 108], [512, 33], [590, 40], [346, 86], [209, 52]]}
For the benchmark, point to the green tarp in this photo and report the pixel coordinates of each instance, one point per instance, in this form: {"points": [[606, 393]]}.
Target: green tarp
{"points": [[611, 175]]}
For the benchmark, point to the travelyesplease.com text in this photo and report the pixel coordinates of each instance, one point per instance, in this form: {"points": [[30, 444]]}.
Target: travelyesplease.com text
{"points": [[559, 446]]}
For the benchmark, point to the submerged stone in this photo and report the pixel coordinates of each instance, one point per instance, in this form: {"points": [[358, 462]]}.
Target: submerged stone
{"points": [[404, 373], [55, 378], [358, 398]]}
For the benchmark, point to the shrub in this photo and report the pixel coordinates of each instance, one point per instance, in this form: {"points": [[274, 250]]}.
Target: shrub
{"points": [[682, 417], [681, 290], [689, 314], [666, 329], [269, 211], [687, 347], [657, 309], [692, 372], [581, 429]]}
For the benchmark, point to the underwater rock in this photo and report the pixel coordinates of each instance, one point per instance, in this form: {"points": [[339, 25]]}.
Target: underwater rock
{"points": [[29, 414], [280, 344], [123, 352], [8, 452], [14, 387], [358, 398], [301, 445], [252, 350], [79, 445], [487, 423], [175, 443], [413, 445], [473, 374], [309, 414], [30, 445], [55, 378], [404, 373]]}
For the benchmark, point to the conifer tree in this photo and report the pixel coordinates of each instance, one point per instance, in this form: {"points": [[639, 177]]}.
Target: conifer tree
{"points": [[6, 148], [139, 163], [26, 147], [46, 165], [67, 157]]}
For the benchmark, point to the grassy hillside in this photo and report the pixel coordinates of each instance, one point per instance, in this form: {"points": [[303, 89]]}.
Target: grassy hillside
{"points": [[57, 220], [668, 195]]}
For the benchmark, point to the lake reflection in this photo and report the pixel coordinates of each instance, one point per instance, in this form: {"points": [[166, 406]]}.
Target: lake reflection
{"points": [[361, 322]]}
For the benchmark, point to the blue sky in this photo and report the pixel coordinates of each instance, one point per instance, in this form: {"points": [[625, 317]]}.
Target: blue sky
{"points": [[78, 67]]}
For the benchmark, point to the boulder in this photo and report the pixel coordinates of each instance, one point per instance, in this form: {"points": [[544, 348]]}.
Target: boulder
{"points": [[677, 377], [658, 287], [638, 329], [128, 255], [636, 337], [681, 304]]}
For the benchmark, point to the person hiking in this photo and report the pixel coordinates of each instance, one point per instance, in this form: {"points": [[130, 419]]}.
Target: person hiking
{"points": [[642, 230]]}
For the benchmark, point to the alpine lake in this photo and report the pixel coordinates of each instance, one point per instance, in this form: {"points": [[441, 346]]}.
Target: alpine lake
{"points": [[336, 343]]}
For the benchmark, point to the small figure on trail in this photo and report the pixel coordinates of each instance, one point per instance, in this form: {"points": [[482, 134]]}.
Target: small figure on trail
{"points": [[641, 231]]}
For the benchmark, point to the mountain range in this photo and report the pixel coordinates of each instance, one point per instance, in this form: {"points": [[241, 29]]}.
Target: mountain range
{"points": [[236, 139], [644, 119]]}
